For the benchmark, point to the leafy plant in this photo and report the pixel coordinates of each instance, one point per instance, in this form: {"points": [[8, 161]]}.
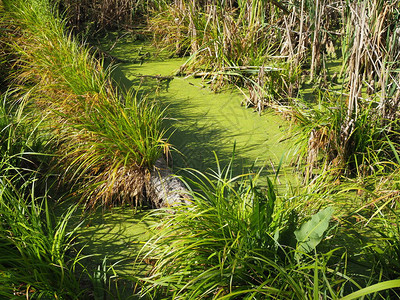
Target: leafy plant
{"points": [[311, 233]]}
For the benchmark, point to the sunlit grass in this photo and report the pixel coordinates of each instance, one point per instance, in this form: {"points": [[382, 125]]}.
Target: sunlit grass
{"points": [[237, 241], [36, 258], [108, 139]]}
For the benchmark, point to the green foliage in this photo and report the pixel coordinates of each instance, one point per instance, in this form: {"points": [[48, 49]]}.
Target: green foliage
{"points": [[107, 139], [311, 233], [36, 258], [390, 284], [320, 144], [22, 145], [235, 241], [385, 223]]}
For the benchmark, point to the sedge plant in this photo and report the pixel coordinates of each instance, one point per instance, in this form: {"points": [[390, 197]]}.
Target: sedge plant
{"points": [[36, 249], [108, 140], [236, 241], [320, 146], [37, 258]]}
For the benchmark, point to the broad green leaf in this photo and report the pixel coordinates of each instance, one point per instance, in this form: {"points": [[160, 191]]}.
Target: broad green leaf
{"points": [[310, 234]]}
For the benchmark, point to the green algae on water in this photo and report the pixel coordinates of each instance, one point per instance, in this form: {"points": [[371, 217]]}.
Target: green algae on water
{"points": [[204, 122]]}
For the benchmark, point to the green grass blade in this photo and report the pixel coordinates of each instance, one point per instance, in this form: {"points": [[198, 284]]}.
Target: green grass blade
{"points": [[390, 284]]}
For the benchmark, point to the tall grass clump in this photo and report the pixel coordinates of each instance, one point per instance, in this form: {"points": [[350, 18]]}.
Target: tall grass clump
{"points": [[369, 60], [107, 140], [236, 241], [37, 258], [37, 250], [320, 143], [23, 147], [378, 219]]}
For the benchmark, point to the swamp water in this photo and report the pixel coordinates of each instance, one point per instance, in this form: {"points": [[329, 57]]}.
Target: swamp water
{"points": [[201, 122]]}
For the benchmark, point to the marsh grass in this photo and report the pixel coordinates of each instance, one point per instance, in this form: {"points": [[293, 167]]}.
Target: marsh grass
{"points": [[236, 241], [37, 256], [239, 241], [22, 146], [387, 251], [269, 49], [91, 17], [227, 43], [321, 145], [108, 139]]}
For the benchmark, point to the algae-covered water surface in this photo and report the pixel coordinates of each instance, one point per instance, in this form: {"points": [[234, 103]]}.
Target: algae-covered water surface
{"points": [[202, 122]]}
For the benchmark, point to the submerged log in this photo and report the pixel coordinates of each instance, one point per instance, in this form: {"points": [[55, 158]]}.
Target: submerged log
{"points": [[164, 189], [235, 71]]}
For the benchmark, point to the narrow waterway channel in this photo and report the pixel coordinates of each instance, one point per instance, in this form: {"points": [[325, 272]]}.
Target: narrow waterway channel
{"points": [[201, 123]]}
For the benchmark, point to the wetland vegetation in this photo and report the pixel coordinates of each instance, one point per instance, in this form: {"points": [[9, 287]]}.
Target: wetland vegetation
{"points": [[294, 195]]}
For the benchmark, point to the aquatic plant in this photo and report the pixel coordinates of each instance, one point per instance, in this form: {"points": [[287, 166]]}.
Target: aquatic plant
{"points": [[237, 240], [107, 140], [320, 142], [368, 58]]}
